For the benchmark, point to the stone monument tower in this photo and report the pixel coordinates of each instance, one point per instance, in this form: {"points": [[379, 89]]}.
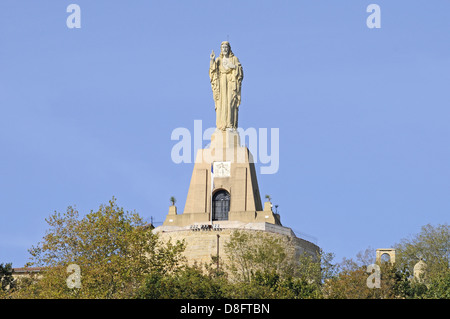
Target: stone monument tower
{"points": [[223, 194]]}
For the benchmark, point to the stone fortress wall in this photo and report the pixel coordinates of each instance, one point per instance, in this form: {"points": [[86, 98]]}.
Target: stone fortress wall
{"points": [[201, 244]]}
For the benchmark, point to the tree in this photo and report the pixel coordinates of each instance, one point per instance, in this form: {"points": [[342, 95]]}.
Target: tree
{"points": [[350, 281], [432, 244], [7, 281], [439, 287], [317, 269], [251, 251], [173, 200], [264, 265], [190, 282], [113, 248]]}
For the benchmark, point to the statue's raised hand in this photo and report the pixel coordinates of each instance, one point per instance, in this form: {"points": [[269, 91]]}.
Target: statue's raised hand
{"points": [[212, 56]]}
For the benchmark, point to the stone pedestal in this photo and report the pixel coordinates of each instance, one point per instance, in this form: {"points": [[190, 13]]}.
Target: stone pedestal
{"points": [[234, 173], [172, 210], [201, 243]]}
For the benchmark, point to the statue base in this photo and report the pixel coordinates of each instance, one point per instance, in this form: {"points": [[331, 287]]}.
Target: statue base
{"points": [[234, 175]]}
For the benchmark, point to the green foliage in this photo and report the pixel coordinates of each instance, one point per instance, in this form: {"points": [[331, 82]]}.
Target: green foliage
{"points": [[264, 266], [439, 287], [187, 283], [120, 257], [249, 252], [286, 287], [113, 248], [432, 244], [194, 283], [7, 281], [351, 282], [317, 269], [397, 281], [261, 267]]}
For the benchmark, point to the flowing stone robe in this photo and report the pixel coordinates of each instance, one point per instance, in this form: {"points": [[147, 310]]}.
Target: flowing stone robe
{"points": [[226, 85]]}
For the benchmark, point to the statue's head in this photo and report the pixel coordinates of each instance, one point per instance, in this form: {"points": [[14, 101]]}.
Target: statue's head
{"points": [[225, 49]]}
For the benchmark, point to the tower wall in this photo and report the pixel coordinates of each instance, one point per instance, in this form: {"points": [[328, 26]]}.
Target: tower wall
{"points": [[240, 182]]}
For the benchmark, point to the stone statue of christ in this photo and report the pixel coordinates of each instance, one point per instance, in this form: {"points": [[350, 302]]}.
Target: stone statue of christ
{"points": [[226, 76]]}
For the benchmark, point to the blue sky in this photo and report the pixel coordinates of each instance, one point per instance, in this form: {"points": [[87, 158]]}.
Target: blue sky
{"points": [[363, 114]]}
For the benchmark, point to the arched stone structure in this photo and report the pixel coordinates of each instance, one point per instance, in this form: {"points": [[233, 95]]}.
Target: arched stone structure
{"points": [[383, 251]]}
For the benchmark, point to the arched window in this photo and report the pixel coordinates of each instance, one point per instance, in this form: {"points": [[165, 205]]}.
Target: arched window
{"points": [[221, 205], [385, 258]]}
